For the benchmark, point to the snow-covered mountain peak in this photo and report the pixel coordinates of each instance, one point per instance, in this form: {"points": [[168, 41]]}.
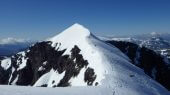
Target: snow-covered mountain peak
{"points": [[73, 33], [76, 29]]}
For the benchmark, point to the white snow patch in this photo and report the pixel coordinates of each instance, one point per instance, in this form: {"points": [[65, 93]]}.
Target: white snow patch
{"points": [[55, 78], [13, 69], [50, 79], [21, 63], [6, 63], [14, 81], [41, 68], [45, 63], [43, 79]]}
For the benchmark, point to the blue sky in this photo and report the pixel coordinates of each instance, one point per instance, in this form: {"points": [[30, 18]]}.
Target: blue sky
{"points": [[40, 19]]}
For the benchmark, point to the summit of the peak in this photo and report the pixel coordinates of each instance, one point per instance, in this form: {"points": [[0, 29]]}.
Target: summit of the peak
{"points": [[77, 25], [74, 32], [77, 30]]}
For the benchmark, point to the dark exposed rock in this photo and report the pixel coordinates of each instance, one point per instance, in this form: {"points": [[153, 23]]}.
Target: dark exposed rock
{"points": [[53, 82], [44, 85], [2, 57], [25, 75], [96, 83], [152, 63], [90, 76], [131, 75], [55, 86], [4, 75], [73, 68]]}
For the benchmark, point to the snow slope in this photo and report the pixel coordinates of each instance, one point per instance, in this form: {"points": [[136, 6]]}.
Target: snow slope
{"points": [[21, 90]]}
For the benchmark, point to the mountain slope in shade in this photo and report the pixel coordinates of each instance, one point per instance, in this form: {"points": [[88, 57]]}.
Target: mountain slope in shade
{"points": [[153, 64], [76, 57]]}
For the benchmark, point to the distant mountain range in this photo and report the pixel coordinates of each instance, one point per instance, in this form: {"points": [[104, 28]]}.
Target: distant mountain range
{"points": [[159, 42], [11, 46]]}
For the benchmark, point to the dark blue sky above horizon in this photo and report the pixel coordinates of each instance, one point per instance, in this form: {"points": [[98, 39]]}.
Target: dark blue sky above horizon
{"points": [[40, 19]]}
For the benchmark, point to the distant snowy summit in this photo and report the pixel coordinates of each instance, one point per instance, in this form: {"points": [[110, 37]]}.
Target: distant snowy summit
{"points": [[76, 57]]}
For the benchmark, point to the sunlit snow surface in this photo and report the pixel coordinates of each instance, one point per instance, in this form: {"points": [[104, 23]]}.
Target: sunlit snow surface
{"points": [[18, 90]]}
